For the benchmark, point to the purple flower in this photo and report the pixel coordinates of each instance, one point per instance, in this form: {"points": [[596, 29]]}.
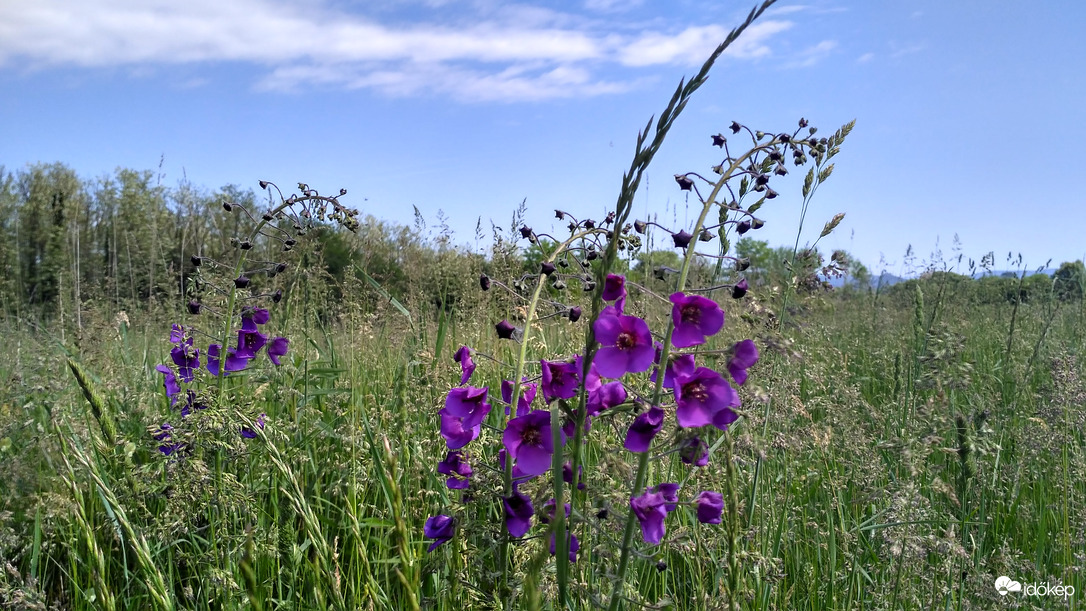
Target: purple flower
{"points": [[740, 289], [574, 546], [548, 512], [560, 380], [186, 358], [744, 356], [468, 403], [614, 289], [467, 366], [456, 431], [694, 451], [457, 468], [277, 349], [626, 345], [681, 239], [670, 494], [505, 330], [170, 382], [518, 476], [249, 343], [528, 441], [163, 436], [441, 528], [249, 433], [644, 428], [650, 509], [251, 317], [605, 397], [233, 361], [695, 318], [524, 401], [567, 477], [677, 365], [518, 513], [703, 395], [710, 506]]}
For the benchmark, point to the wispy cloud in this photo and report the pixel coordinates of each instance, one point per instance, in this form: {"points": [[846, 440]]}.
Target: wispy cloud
{"points": [[866, 57], [509, 53], [813, 54]]}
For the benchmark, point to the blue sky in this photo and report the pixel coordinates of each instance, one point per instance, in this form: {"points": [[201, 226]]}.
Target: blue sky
{"points": [[969, 113]]}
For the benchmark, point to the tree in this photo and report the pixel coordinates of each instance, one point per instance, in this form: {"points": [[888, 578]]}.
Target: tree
{"points": [[1069, 281]]}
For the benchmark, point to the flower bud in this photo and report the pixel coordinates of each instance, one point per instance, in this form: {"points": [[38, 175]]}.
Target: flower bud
{"points": [[280, 268], [547, 268], [277, 296], [757, 224], [770, 193], [802, 122], [263, 184], [246, 245], [785, 138], [505, 330], [706, 236], [484, 282], [343, 191], [740, 289], [574, 313], [742, 227], [194, 307], [685, 183], [592, 255], [639, 226], [589, 224], [742, 265], [526, 232], [241, 281], [196, 260], [719, 140], [681, 239], [735, 127], [558, 214], [559, 285], [227, 206], [268, 217]]}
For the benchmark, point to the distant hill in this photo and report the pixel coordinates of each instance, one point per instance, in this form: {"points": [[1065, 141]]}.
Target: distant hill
{"points": [[887, 279]]}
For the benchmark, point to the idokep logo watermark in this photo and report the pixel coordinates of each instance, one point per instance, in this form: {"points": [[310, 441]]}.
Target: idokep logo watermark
{"points": [[1005, 585]]}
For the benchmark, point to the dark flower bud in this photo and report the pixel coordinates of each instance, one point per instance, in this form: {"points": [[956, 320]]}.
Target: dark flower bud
{"points": [[770, 193], [685, 183], [813, 142], [682, 239], [802, 122], [484, 282], [640, 226], [246, 245], [343, 191], [602, 514], [735, 127], [563, 263], [706, 236], [761, 179], [781, 170], [241, 281], [227, 206], [574, 314], [194, 307], [505, 330], [719, 140], [740, 289], [263, 184], [589, 286], [196, 261], [558, 214], [280, 268], [742, 265], [592, 255], [661, 566], [757, 224], [559, 285], [610, 218], [268, 217], [277, 296], [785, 138], [525, 232], [775, 155], [290, 242], [547, 268], [572, 226], [589, 224], [759, 134], [742, 227]]}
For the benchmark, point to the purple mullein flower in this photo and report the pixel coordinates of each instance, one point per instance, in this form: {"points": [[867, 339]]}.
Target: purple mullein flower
{"points": [[702, 396], [179, 334], [277, 349], [468, 403], [670, 493], [163, 436], [548, 511], [249, 343], [505, 330], [233, 361], [694, 451], [626, 345], [695, 318], [170, 382], [740, 289], [574, 546], [457, 468], [251, 317], [744, 356], [682, 364], [249, 433], [560, 380], [650, 509], [645, 426], [441, 528], [518, 513], [467, 366], [187, 360], [524, 401], [710, 507], [528, 441], [614, 289], [567, 477], [601, 396], [518, 476]]}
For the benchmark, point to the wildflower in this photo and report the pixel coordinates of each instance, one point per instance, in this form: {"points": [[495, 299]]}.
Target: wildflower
{"points": [[670, 493], [701, 396], [695, 318], [547, 268], [735, 127], [681, 239], [694, 451], [441, 528], [505, 330], [241, 281], [626, 345], [548, 512], [467, 366], [484, 282], [710, 506], [677, 365], [560, 380], [251, 317], [170, 382], [645, 426], [277, 349], [719, 140], [457, 468], [528, 441], [163, 435], [179, 335], [574, 546], [685, 183], [740, 289], [605, 396], [249, 343], [574, 314], [469, 404], [518, 513], [524, 401], [742, 227], [567, 477], [277, 296], [194, 307], [650, 509], [233, 361], [614, 289], [518, 475], [457, 431], [250, 433], [744, 356]]}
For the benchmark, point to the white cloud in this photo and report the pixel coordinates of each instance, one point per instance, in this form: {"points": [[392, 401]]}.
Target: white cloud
{"points": [[814, 54], [866, 57], [513, 52]]}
